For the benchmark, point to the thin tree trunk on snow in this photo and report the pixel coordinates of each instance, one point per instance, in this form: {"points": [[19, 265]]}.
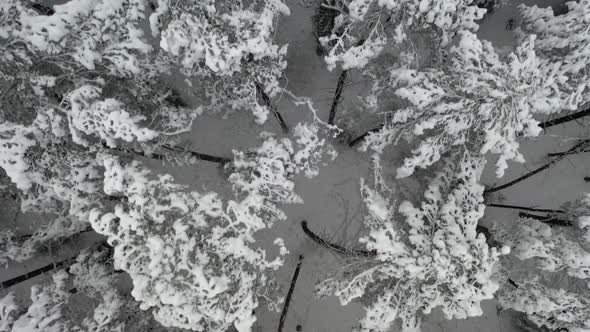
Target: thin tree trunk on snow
{"points": [[564, 119], [24, 277], [337, 95], [543, 125], [576, 147], [23, 238], [49, 267], [336, 247], [198, 155], [516, 207], [557, 154], [290, 294], [362, 137], [268, 103], [548, 219]]}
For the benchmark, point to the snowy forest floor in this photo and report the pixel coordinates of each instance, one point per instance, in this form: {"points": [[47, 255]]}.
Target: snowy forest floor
{"points": [[332, 204]]}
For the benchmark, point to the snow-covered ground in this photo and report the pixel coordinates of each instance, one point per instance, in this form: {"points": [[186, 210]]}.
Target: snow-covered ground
{"points": [[332, 204]]}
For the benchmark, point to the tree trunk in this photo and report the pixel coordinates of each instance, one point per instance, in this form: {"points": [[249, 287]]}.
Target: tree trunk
{"points": [[557, 154], [503, 206], [198, 155], [362, 137], [576, 147], [49, 267], [24, 277], [335, 247], [266, 100], [564, 119], [23, 238], [290, 294], [548, 219], [337, 95]]}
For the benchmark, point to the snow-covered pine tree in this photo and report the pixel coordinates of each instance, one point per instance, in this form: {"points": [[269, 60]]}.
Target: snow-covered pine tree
{"points": [[558, 252], [82, 297], [479, 99], [191, 255], [426, 257], [562, 41], [366, 27], [228, 45]]}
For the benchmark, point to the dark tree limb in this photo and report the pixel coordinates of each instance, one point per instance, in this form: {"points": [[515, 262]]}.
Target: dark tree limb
{"points": [[23, 238], [266, 100], [516, 207], [513, 283], [24, 277], [543, 125], [363, 136], [576, 147], [557, 154], [336, 247], [290, 294], [43, 10], [198, 155], [551, 220], [337, 96], [564, 119]]}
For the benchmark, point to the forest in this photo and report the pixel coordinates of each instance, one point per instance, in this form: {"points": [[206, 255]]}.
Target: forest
{"points": [[294, 165]]}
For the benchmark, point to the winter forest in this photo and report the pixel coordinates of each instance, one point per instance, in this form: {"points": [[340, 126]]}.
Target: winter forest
{"points": [[294, 165]]}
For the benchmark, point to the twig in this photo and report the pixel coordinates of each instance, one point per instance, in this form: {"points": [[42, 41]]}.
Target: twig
{"points": [[290, 294]]}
